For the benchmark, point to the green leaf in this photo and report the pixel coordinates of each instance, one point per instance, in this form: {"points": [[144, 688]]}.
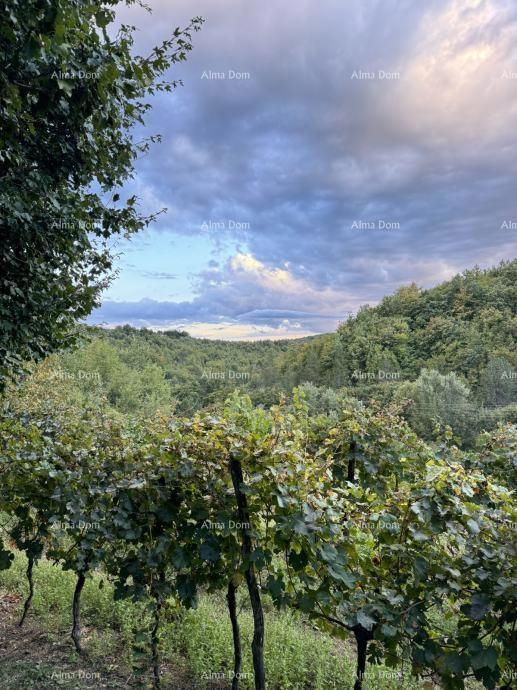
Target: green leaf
{"points": [[388, 630], [454, 662], [478, 606], [473, 526], [421, 566], [328, 553], [487, 658], [337, 572], [365, 620], [65, 86], [179, 559], [209, 551]]}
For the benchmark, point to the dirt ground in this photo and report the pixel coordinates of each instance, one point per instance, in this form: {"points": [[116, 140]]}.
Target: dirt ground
{"points": [[31, 658]]}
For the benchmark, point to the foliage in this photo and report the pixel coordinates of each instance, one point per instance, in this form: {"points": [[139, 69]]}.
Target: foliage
{"points": [[498, 383], [139, 372], [70, 96], [466, 326], [378, 355], [435, 398], [351, 519], [297, 656], [496, 455]]}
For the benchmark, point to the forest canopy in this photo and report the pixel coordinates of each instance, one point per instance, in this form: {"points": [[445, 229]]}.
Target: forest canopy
{"points": [[443, 354]]}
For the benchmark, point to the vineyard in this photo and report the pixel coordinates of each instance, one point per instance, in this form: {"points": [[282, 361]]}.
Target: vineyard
{"points": [[403, 547]]}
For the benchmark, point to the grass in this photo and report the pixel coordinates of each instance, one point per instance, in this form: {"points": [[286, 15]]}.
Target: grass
{"points": [[196, 644]]}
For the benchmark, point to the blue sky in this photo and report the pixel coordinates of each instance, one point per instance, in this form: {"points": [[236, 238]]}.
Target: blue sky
{"points": [[366, 145]]}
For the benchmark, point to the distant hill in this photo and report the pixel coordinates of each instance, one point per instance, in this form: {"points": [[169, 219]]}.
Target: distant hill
{"points": [[139, 370], [467, 325]]}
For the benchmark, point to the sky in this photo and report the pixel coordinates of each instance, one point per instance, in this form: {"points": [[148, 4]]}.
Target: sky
{"points": [[318, 156]]}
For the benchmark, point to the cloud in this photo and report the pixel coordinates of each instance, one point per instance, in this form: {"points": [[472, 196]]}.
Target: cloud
{"points": [[282, 314], [305, 157], [158, 275], [239, 293]]}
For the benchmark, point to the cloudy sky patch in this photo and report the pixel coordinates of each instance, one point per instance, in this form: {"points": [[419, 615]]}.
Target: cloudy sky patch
{"points": [[362, 146]]}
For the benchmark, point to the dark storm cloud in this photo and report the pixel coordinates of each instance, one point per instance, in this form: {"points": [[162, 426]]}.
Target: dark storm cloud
{"points": [[357, 184]]}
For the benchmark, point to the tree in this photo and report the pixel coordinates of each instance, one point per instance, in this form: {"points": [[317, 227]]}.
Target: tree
{"points": [[70, 95], [439, 398], [498, 383], [320, 400]]}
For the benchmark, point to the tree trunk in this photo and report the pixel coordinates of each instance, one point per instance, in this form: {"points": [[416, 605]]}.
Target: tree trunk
{"points": [[362, 637], [76, 611], [26, 606], [154, 645], [237, 652], [257, 646]]}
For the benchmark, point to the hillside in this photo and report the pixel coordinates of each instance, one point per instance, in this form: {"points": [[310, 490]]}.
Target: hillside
{"points": [[457, 327], [462, 331], [139, 370]]}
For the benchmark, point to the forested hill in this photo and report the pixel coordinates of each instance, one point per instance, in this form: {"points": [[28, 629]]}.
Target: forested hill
{"points": [[457, 326], [465, 327]]}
